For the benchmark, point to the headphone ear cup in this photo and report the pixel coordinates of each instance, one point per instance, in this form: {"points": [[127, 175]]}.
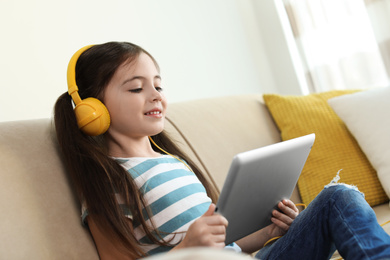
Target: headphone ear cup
{"points": [[92, 117]]}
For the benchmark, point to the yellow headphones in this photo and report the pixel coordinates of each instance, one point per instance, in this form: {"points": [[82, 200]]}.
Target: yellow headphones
{"points": [[92, 115]]}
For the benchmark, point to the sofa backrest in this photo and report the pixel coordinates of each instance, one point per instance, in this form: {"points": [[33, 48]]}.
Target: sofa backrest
{"points": [[40, 215], [216, 129]]}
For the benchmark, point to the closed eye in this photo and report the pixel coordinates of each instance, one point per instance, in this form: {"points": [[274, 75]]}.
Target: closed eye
{"points": [[136, 90]]}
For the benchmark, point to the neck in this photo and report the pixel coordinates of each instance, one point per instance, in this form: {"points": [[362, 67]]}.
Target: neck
{"points": [[130, 147]]}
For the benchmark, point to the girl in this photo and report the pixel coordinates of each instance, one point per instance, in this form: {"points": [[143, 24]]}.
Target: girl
{"points": [[138, 202]]}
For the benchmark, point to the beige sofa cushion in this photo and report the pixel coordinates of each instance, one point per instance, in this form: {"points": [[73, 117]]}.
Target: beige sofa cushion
{"points": [[40, 215], [217, 129]]}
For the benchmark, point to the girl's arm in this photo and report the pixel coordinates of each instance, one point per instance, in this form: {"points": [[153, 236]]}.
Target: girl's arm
{"points": [[281, 222], [106, 248]]}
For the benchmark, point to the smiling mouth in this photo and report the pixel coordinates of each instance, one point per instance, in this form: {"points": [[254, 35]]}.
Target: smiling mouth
{"points": [[153, 113]]}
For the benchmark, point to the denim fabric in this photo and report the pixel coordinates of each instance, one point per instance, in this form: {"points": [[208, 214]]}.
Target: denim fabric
{"points": [[338, 218]]}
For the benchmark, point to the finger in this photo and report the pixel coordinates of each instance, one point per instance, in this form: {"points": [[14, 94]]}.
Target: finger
{"points": [[216, 220], [282, 217], [217, 230], [280, 224], [290, 204], [219, 238], [286, 210], [210, 211], [291, 212], [213, 240], [219, 244]]}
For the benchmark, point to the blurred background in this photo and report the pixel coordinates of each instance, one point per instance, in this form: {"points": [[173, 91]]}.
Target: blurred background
{"points": [[205, 48]]}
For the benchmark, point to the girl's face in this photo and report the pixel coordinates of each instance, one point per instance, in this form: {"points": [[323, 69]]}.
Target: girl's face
{"points": [[135, 100]]}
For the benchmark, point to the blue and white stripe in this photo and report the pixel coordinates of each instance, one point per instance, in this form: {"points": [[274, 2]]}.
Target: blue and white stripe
{"points": [[173, 194]]}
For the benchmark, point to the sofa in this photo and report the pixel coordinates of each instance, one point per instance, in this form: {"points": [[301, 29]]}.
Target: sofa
{"points": [[40, 214]]}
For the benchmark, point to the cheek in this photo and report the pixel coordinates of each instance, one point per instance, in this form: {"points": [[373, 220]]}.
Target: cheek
{"points": [[113, 109], [109, 102], [117, 109], [118, 103], [123, 112], [164, 102]]}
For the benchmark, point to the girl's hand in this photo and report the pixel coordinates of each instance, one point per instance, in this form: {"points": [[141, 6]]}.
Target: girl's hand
{"points": [[282, 220], [208, 230]]}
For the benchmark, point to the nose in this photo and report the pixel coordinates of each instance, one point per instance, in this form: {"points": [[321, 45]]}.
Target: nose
{"points": [[156, 95]]}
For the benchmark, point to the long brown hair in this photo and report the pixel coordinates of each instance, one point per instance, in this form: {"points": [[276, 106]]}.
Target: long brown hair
{"points": [[95, 175]]}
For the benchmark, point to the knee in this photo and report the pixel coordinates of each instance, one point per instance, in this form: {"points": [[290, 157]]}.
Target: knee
{"points": [[343, 192], [347, 198]]}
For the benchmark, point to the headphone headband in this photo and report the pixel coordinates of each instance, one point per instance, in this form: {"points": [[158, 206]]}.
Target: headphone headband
{"points": [[91, 114], [71, 75]]}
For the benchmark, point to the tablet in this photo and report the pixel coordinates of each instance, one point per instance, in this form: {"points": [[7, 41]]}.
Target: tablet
{"points": [[257, 181]]}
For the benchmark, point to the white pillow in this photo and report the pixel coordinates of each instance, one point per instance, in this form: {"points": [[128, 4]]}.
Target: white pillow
{"points": [[367, 116]]}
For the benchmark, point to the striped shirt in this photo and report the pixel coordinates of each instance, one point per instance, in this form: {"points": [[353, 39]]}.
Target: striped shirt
{"points": [[173, 195]]}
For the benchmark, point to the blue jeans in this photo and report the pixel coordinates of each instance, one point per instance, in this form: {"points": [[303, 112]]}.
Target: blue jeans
{"points": [[338, 218]]}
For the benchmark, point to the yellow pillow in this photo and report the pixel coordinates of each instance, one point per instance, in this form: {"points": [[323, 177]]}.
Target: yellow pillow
{"points": [[334, 148]]}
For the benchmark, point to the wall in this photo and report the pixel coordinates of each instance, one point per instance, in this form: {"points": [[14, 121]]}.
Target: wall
{"points": [[378, 11], [205, 48]]}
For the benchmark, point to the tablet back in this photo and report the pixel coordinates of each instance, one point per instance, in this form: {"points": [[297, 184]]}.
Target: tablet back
{"points": [[257, 180]]}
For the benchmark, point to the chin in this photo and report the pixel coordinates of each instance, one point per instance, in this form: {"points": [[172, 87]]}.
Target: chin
{"points": [[156, 132]]}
